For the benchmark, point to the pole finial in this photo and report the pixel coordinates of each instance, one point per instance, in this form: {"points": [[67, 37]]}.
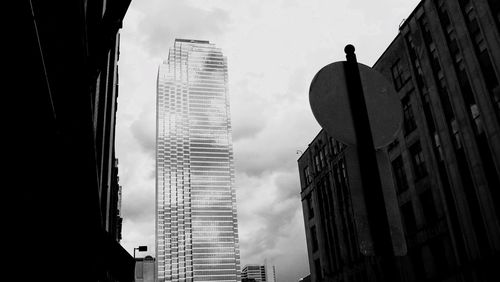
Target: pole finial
{"points": [[349, 49]]}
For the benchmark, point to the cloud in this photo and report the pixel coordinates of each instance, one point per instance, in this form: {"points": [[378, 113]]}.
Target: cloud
{"points": [[267, 210], [169, 19], [275, 147], [274, 49], [144, 131]]}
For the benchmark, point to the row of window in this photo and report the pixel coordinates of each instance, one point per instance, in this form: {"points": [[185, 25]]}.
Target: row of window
{"points": [[418, 164], [319, 159], [467, 97], [428, 208]]}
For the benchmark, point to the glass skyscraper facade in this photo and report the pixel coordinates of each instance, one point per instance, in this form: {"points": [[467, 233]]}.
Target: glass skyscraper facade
{"points": [[196, 225]]}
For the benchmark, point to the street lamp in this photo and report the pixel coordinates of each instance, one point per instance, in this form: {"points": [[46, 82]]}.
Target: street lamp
{"points": [[141, 249]]}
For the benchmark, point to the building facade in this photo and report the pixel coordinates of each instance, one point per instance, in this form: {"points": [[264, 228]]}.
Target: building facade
{"points": [[69, 96], [445, 67], [331, 234], [145, 269], [196, 224], [257, 272]]}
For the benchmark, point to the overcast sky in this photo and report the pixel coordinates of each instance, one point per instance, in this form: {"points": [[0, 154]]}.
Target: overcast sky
{"points": [[274, 49]]}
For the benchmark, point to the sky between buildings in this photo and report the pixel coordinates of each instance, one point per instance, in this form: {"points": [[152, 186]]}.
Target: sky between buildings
{"points": [[274, 49]]}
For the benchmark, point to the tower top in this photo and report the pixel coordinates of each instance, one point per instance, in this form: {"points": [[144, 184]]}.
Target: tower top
{"points": [[192, 41]]}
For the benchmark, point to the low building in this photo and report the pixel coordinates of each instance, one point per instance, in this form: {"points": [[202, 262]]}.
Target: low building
{"points": [[145, 269], [254, 271]]}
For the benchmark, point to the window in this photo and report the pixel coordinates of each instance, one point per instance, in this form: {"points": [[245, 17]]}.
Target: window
{"points": [[425, 29], [307, 175], [139, 270], [409, 223], [408, 118], [456, 134], [476, 35], [399, 174], [417, 263], [476, 117], [428, 206], [322, 160], [314, 239], [397, 75], [317, 269], [310, 207], [343, 174], [443, 15], [418, 161], [333, 144], [495, 9], [437, 147], [437, 247], [317, 164]]}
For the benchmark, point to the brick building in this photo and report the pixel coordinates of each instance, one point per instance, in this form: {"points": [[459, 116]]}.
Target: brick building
{"points": [[445, 67]]}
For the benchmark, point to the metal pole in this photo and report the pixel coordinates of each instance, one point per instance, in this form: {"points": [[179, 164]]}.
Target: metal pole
{"points": [[370, 177]]}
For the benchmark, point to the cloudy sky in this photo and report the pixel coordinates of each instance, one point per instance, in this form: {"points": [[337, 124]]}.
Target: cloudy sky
{"points": [[274, 49]]}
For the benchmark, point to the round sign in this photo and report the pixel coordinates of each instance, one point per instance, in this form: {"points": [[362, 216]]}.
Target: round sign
{"points": [[330, 104]]}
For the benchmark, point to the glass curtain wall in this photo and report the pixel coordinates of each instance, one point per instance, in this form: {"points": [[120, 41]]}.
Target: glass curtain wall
{"points": [[196, 225]]}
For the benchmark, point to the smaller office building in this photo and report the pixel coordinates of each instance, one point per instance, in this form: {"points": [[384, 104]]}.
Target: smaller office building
{"points": [[145, 269], [254, 272]]}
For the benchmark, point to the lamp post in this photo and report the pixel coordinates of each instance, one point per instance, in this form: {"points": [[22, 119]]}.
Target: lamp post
{"points": [[141, 249]]}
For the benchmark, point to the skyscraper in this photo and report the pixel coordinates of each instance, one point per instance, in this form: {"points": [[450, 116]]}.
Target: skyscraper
{"points": [[196, 225]]}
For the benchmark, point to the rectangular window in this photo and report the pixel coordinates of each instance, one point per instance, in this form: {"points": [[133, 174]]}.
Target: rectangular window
{"points": [[317, 164], [418, 160], [495, 9], [476, 117], [417, 263], [333, 144], [343, 174], [310, 208], [139, 270], [322, 159], [427, 105], [428, 206], [307, 175], [317, 269], [456, 134], [314, 239], [480, 45], [408, 117], [424, 26], [438, 251], [410, 225], [438, 150], [399, 174], [397, 75]]}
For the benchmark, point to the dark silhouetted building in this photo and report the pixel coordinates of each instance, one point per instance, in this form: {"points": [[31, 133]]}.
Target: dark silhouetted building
{"points": [[332, 241], [445, 67], [67, 222], [305, 279]]}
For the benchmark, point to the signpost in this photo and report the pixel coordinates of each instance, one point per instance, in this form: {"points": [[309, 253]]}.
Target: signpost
{"points": [[357, 106]]}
